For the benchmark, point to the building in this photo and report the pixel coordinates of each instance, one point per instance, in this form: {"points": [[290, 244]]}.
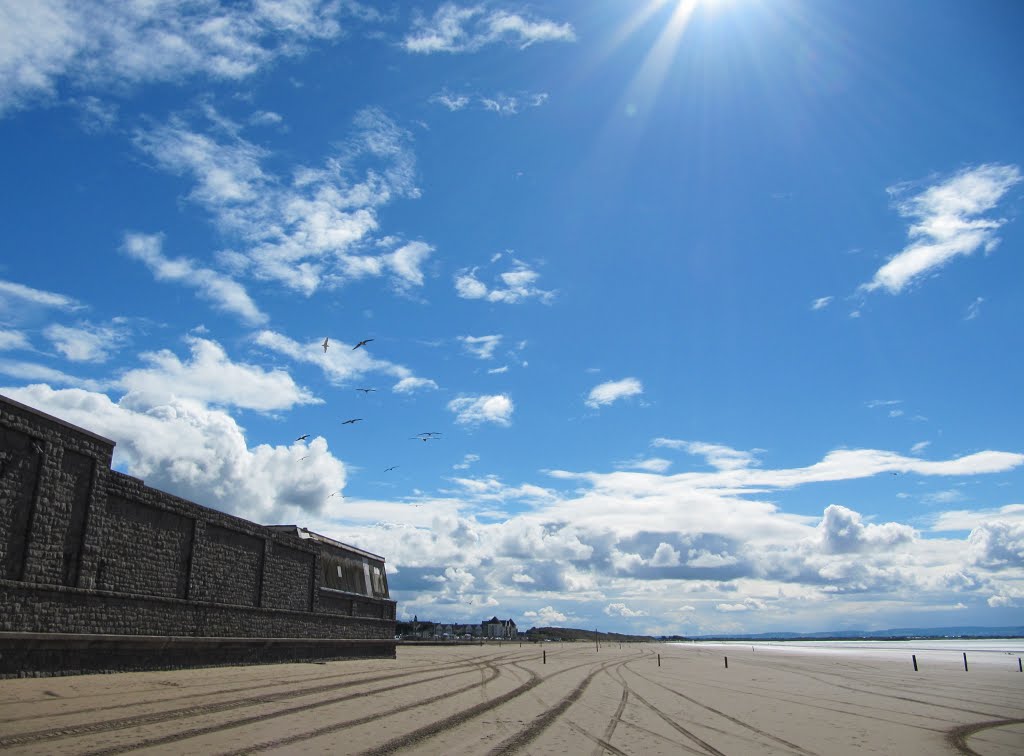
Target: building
{"points": [[496, 628], [100, 572]]}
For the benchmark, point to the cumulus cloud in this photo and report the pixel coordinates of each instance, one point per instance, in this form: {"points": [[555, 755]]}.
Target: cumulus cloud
{"points": [[516, 285], [842, 532], [455, 29], [212, 378], [314, 229], [665, 556], [621, 610], [546, 616], [475, 410], [225, 293], [611, 391], [946, 222], [998, 544], [181, 446], [50, 45]]}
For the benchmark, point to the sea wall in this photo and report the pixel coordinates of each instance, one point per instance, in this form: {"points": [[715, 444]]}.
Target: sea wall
{"points": [[87, 550]]}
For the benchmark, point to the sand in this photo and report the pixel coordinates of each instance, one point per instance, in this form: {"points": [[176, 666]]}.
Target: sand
{"points": [[502, 699]]}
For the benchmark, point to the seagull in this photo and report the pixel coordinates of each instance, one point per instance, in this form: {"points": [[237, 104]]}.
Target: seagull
{"points": [[336, 493], [364, 342], [303, 437], [393, 467], [353, 421], [324, 345], [366, 390], [302, 458]]}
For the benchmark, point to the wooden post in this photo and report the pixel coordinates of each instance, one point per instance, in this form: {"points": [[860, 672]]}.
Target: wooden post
{"points": [[726, 662], [1020, 667], [659, 660], [545, 652], [965, 661], [914, 657]]}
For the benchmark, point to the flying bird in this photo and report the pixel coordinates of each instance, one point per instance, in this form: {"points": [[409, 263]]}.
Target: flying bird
{"points": [[364, 342], [419, 438], [303, 437], [393, 467], [366, 390], [325, 345], [353, 421], [429, 433]]}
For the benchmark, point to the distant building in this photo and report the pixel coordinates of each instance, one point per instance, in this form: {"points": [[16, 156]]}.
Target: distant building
{"points": [[496, 628]]}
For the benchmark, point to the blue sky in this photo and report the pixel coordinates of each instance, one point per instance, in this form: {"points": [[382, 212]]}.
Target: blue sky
{"points": [[715, 307]]}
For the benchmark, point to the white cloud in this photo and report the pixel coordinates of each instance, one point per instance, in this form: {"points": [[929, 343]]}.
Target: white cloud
{"points": [[842, 532], [621, 610], [481, 347], [212, 378], [51, 45], [30, 371], [974, 309], [467, 460], [748, 605], [341, 363], [546, 616], [821, 303], [86, 342], [650, 464], [313, 229], [201, 454], [611, 391], [451, 101], [946, 223], [11, 340], [466, 29], [474, 410], [998, 544], [665, 556], [963, 519], [919, 447], [718, 456], [15, 295], [517, 285], [225, 293]]}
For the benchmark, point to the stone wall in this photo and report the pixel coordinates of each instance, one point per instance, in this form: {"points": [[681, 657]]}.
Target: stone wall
{"points": [[86, 549]]}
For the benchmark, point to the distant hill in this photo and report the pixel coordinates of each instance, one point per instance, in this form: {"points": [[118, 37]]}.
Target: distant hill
{"points": [[573, 634], [964, 631]]}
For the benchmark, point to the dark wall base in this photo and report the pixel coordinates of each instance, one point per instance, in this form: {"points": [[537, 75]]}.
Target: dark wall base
{"points": [[52, 654]]}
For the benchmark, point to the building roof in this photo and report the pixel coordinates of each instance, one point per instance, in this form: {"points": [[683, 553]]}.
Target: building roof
{"points": [[306, 534]]}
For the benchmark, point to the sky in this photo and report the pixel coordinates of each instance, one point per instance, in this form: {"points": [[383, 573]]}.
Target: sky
{"points": [[680, 317]]}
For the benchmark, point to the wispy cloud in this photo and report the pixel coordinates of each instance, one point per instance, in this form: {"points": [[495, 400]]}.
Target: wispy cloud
{"points": [[50, 45], [612, 391], [86, 342], [974, 309], [481, 347], [946, 223], [30, 371], [341, 363], [313, 229], [11, 340], [821, 303], [476, 410], [15, 295], [456, 29], [718, 456], [225, 293], [502, 104]]}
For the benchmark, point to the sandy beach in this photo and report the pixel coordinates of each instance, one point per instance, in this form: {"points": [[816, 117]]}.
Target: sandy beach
{"points": [[505, 699]]}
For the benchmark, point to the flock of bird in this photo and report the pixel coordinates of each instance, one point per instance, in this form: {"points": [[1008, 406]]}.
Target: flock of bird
{"points": [[425, 436]]}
